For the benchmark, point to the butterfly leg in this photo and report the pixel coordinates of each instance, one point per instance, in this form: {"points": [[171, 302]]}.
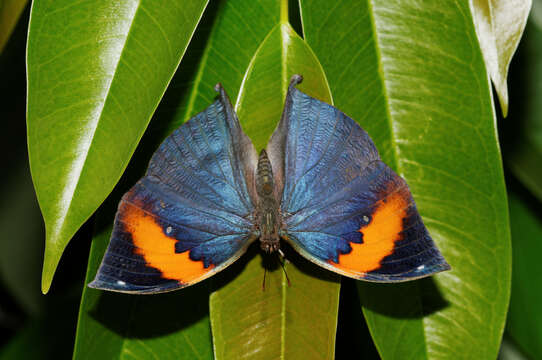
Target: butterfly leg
{"points": [[283, 261]]}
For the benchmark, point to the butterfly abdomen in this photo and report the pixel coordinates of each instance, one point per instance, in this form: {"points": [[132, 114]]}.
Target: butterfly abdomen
{"points": [[267, 210]]}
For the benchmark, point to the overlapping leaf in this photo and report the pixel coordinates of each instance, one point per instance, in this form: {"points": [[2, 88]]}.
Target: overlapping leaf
{"points": [[278, 323], [413, 76], [96, 72], [499, 26]]}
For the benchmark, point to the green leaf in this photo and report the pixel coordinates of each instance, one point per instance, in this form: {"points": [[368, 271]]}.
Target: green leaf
{"points": [[523, 153], [261, 98], [96, 72], [278, 322], [499, 26], [413, 76], [10, 11], [525, 315]]}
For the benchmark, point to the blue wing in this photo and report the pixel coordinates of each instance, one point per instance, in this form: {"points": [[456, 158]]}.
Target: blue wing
{"points": [[191, 215], [342, 207]]}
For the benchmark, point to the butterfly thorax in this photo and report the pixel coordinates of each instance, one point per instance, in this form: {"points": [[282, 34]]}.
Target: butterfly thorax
{"points": [[268, 220]]}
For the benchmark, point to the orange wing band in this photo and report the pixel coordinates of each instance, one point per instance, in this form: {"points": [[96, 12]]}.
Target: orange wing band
{"points": [[379, 236], [157, 248]]}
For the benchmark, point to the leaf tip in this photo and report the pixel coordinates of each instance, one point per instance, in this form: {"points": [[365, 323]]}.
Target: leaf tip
{"points": [[45, 282], [50, 263], [502, 94]]}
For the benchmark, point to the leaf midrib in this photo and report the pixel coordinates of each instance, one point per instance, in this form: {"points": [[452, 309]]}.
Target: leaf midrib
{"points": [[283, 316]]}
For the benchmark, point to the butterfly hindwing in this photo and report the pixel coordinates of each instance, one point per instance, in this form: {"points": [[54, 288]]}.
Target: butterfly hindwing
{"points": [[342, 207], [191, 214]]}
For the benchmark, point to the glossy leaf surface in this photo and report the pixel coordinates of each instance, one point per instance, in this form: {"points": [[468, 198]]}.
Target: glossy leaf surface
{"points": [[525, 315], [499, 26], [413, 76], [277, 322], [96, 72]]}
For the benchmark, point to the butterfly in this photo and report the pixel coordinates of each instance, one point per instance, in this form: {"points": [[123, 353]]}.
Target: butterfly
{"points": [[320, 185]]}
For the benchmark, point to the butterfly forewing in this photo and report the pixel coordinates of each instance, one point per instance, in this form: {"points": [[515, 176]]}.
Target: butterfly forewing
{"points": [[342, 207], [192, 213]]}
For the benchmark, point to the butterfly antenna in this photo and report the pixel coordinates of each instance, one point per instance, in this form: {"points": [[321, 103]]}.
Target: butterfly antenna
{"points": [[263, 283], [282, 261]]}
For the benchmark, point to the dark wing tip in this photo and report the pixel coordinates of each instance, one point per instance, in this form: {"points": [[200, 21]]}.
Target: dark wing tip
{"points": [[95, 284], [224, 98], [295, 80]]}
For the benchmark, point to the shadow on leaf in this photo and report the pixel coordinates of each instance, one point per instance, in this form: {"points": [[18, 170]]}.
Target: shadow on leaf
{"points": [[410, 300], [142, 316], [227, 275], [307, 267]]}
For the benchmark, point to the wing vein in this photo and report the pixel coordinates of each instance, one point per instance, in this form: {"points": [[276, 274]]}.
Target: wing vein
{"points": [[192, 208], [230, 145], [317, 121], [329, 163], [201, 182]]}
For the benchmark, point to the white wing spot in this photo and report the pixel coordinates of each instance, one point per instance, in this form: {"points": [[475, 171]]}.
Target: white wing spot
{"points": [[121, 283], [421, 267], [365, 218], [169, 229]]}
